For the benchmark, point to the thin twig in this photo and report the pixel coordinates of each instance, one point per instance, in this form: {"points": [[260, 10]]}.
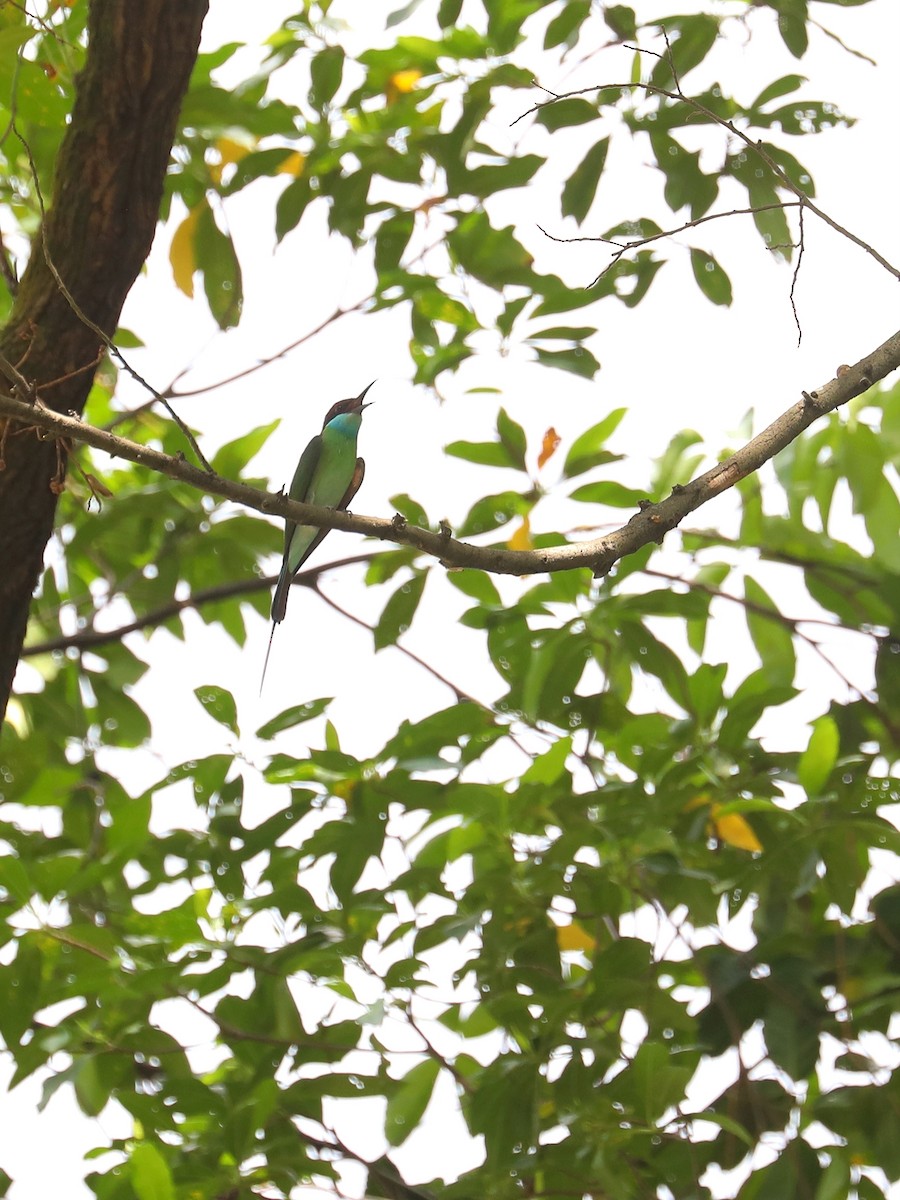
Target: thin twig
{"points": [[86, 320], [624, 247], [755, 146], [90, 639], [796, 275]]}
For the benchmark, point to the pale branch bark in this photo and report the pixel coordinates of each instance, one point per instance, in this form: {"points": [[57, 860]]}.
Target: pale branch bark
{"points": [[599, 554], [97, 232]]}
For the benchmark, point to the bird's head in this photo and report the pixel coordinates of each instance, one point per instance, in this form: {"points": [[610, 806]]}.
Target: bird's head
{"points": [[346, 407]]}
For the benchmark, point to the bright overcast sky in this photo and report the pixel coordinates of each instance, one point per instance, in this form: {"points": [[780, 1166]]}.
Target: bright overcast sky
{"points": [[675, 361]]}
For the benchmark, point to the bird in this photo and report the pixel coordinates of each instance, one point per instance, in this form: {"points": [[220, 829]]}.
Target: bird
{"points": [[328, 474]]}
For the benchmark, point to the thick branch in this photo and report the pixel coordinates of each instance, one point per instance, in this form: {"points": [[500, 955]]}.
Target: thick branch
{"points": [[97, 233], [649, 525]]}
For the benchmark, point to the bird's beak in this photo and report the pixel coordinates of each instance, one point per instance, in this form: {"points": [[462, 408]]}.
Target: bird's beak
{"points": [[362, 395]]}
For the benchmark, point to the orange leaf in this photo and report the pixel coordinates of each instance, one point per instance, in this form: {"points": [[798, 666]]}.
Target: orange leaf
{"points": [[548, 446]]}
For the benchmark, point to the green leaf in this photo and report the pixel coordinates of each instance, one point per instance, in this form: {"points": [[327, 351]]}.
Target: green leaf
{"points": [[407, 1105], [818, 759], [587, 449], [448, 13], [711, 279], [486, 454], [217, 260], [296, 715], [492, 256], [231, 459], [411, 509], [150, 1174], [399, 611], [580, 188], [622, 21], [477, 585], [771, 635], [565, 25], [579, 360], [326, 69], [391, 240], [570, 333], [559, 114], [291, 206], [220, 705], [616, 495], [780, 87], [549, 767], [91, 1092], [491, 512], [512, 437], [690, 40], [792, 18]]}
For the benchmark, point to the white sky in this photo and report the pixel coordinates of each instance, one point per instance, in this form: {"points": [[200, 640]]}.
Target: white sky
{"points": [[675, 361]]}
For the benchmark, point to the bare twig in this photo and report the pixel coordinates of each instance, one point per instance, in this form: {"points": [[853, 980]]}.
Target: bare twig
{"points": [[801, 244], [755, 146], [624, 247]]}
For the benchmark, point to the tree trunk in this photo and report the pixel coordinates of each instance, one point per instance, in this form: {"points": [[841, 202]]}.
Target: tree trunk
{"points": [[98, 231]]}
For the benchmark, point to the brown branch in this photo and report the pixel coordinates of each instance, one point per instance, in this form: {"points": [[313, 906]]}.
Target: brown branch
{"points": [[649, 525], [89, 639]]}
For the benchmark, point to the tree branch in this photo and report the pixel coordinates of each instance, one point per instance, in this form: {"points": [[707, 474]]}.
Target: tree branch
{"points": [[649, 525]]}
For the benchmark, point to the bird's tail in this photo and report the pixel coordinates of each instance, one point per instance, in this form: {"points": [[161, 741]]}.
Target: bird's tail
{"points": [[279, 608], [280, 599], [266, 663]]}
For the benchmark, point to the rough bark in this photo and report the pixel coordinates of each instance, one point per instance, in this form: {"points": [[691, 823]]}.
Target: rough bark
{"points": [[99, 228]]}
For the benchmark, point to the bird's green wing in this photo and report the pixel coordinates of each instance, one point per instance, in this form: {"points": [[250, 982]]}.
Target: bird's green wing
{"points": [[355, 484], [306, 468]]}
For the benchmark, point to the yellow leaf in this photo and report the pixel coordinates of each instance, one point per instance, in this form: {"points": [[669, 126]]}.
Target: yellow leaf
{"points": [[401, 83], [181, 253], [521, 539], [548, 446], [698, 801], [575, 937], [733, 829], [292, 165], [229, 151]]}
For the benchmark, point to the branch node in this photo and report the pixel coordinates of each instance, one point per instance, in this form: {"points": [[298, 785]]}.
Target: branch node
{"points": [[398, 522], [444, 527]]}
